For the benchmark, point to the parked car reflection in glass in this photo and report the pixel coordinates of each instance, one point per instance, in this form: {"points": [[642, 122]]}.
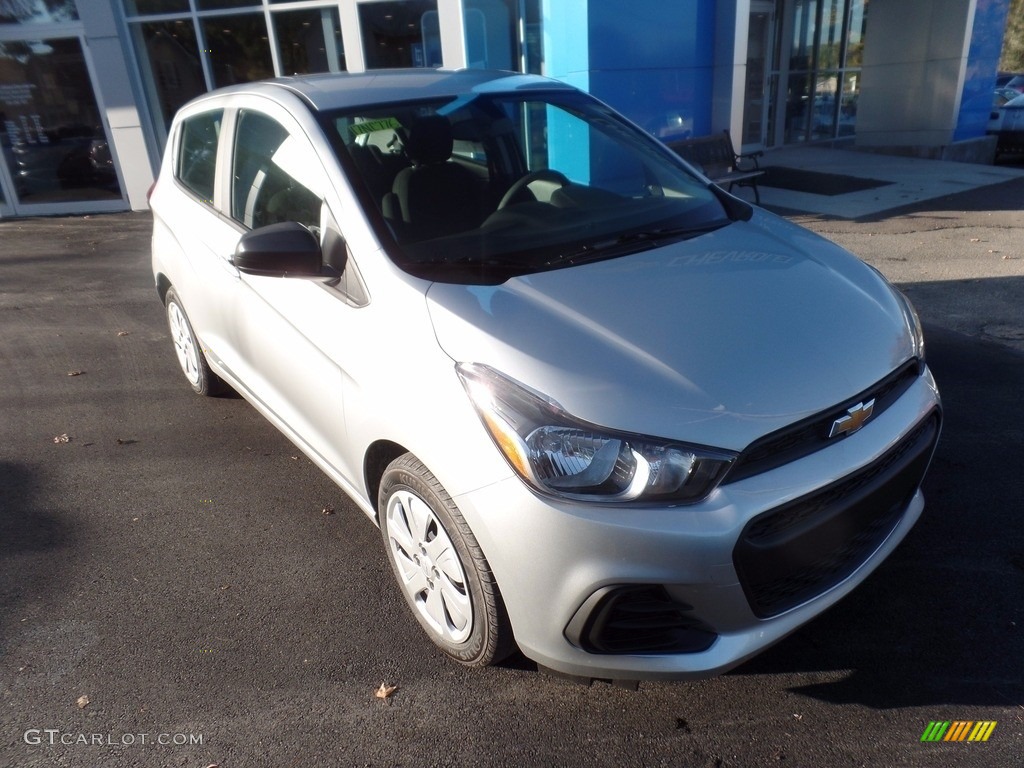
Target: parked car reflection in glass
{"points": [[73, 159]]}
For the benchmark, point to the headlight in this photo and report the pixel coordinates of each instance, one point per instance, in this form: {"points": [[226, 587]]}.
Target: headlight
{"points": [[560, 455]]}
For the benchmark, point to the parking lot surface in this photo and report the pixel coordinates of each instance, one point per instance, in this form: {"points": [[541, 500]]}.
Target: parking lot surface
{"points": [[180, 587]]}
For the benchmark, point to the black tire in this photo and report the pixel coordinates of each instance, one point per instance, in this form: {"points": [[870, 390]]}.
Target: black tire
{"points": [[191, 356], [415, 551]]}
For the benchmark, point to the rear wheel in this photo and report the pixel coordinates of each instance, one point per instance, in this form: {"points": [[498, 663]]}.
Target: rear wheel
{"points": [[439, 566], [186, 347]]}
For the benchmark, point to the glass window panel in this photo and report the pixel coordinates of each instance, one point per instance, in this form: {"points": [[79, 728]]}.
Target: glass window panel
{"points": [[216, 5], [533, 44], [238, 48], [171, 67], [848, 105], [826, 107], [491, 32], [400, 34], [53, 138], [774, 113], [858, 23], [825, 55], [140, 7], [37, 11], [310, 41], [830, 34], [801, 56], [797, 108], [758, 39]]}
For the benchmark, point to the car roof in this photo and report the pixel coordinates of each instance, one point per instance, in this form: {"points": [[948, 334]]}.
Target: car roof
{"points": [[340, 90]]}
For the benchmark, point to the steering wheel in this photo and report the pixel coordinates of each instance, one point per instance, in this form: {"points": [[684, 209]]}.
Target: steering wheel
{"points": [[544, 174]]}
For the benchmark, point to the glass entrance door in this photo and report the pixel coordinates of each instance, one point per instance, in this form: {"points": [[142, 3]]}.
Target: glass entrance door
{"points": [[54, 146], [756, 99]]}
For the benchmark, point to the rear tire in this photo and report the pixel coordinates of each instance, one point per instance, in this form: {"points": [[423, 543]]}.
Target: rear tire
{"points": [[440, 567], [191, 356]]}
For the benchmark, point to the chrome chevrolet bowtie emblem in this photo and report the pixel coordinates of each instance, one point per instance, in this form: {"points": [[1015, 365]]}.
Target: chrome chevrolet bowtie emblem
{"points": [[854, 419]]}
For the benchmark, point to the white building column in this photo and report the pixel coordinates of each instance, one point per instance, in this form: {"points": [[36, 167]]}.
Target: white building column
{"points": [[116, 99]]}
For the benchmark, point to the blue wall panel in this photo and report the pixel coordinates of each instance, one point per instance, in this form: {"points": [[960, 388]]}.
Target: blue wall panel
{"points": [[982, 63], [654, 62], [667, 103], [566, 42], [651, 34]]}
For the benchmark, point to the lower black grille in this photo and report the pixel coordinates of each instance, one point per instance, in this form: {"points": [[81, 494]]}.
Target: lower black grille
{"points": [[794, 553], [637, 619]]}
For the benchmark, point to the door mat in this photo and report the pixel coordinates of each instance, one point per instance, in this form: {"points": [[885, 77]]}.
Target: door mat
{"points": [[815, 183]]}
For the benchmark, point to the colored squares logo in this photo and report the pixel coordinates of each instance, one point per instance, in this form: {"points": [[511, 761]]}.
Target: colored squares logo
{"points": [[958, 730]]}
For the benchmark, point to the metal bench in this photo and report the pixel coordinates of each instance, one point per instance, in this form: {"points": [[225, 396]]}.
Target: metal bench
{"points": [[716, 159]]}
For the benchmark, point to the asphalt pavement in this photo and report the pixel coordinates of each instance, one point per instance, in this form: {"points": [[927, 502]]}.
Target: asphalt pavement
{"points": [[179, 586]]}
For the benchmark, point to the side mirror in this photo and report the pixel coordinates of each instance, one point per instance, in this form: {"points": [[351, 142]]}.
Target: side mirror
{"points": [[278, 250]]}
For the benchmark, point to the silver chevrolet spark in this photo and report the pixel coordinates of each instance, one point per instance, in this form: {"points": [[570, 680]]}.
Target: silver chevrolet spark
{"points": [[600, 409]]}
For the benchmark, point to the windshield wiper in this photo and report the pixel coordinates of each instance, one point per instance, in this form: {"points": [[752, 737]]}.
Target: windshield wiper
{"points": [[620, 244]]}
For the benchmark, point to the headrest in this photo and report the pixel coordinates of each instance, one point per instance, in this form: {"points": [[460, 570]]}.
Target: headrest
{"points": [[429, 140]]}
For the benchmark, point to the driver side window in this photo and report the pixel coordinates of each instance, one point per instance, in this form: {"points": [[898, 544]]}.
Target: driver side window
{"points": [[270, 175]]}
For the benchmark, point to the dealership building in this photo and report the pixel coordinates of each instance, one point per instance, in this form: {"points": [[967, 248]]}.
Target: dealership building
{"points": [[88, 87]]}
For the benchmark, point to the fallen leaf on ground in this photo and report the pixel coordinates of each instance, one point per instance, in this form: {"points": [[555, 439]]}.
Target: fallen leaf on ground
{"points": [[75, 373], [385, 691], [123, 333], [83, 702]]}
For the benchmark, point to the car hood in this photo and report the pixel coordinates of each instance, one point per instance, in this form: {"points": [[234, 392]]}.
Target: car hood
{"points": [[717, 340]]}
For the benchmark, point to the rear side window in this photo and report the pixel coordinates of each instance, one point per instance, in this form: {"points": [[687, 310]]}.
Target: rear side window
{"points": [[197, 153]]}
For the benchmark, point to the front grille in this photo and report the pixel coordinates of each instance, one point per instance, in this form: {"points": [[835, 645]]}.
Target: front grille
{"points": [[812, 434], [637, 619], [794, 553]]}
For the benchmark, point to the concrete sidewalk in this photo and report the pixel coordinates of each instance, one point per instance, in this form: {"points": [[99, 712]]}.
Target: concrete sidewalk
{"points": [[907, 180]]}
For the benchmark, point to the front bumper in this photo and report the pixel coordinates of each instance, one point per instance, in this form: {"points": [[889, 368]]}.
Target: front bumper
{"points": [[711, 584]]}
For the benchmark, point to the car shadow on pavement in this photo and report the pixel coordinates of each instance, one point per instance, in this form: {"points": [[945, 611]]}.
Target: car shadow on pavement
{"points": [[24, 529], [942, 621]]}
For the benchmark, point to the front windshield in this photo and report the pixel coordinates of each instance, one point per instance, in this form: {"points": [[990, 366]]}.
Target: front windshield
{"points": [[482, 187]]}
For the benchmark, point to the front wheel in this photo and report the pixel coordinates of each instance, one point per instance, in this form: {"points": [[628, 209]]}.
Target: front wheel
{"points": [[440, 567], [190, 355]]}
